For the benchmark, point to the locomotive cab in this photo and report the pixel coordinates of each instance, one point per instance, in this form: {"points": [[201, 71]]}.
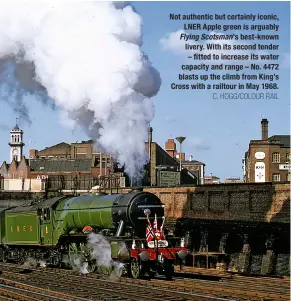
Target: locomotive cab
{"points": [[44, 214]]}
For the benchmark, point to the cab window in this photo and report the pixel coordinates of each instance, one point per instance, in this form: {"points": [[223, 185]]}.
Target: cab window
{"points": [[46, 214]]}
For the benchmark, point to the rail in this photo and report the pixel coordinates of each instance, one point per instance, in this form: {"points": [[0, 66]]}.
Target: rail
{"points": [[95, 287]]}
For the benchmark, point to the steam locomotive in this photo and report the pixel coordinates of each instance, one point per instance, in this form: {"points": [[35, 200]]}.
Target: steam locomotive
{"points": [[56, 231]]}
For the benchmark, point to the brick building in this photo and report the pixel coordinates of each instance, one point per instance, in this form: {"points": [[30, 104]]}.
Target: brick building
{"points": [[81, 158], [233, 180], [160, 158], [80, 150], [60, 159], [197, 168], [17, 165], [211, 180], [267, 159], [43, 168]]}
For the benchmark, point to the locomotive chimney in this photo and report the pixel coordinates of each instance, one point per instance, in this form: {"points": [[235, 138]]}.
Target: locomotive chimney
{"points": [[264, 124]]}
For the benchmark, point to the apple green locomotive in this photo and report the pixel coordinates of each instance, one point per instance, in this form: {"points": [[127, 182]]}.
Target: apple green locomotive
{"points": [[56, 231]]}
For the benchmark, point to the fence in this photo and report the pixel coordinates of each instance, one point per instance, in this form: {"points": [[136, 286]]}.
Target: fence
{"points": [[83, 182], [63, 182]]}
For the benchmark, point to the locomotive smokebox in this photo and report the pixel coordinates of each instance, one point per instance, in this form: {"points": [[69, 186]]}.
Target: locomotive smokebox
{"points": [[135, 207]]}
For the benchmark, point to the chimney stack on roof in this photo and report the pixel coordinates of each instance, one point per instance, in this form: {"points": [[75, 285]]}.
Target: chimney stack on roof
{"points": [[265, 133], [33, 153], [170, 147], [150, 132]]}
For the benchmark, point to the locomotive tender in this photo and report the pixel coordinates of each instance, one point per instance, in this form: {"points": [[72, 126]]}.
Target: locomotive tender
{"points": [[56, 231]]}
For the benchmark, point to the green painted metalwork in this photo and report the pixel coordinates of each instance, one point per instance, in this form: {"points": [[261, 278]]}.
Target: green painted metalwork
{"points": [[114, 249], [21, 228], [73, 214], [44, 224], [2, 223]]}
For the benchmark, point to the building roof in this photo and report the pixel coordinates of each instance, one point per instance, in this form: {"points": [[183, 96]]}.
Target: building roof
{"points": [[84, 142], [56, 145], [16, 129], [61, 165], [194, 173], [211, 178], [284, 139], [193, 162], [5, 164], [25, 160]]}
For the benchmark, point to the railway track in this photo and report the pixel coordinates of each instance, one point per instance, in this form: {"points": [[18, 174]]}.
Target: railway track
{"points": [[12, 290], [226, 274], [258, 288], [238, 277], [93, 287], [181, 289]]}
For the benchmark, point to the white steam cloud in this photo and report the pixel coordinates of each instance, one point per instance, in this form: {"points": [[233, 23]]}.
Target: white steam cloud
{"points": [[87, 58], [102, 253], [99, 249]]}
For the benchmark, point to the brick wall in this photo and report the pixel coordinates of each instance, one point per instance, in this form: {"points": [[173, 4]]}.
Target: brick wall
{"points": [[242, 202], [270, 168], [264, 202], [16, 195]]}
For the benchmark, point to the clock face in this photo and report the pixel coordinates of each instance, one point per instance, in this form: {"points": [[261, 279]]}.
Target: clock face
{"points": [[15, 151]]}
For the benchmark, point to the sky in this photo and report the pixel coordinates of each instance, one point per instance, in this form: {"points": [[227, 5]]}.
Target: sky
{"points": [[217, 131]]}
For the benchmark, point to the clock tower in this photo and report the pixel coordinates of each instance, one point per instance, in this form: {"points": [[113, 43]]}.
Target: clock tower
{"points": [[16, 144]]}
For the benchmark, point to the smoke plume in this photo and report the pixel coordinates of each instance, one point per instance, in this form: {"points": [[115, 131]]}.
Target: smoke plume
{"points": [[4, 127], [87, 58]]}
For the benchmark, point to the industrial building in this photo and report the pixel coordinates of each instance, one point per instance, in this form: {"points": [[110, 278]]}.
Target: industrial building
{"points": [[211, 179], [80, 151], [195, 167], [267, 159], [80, 162], [62, 165]]}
